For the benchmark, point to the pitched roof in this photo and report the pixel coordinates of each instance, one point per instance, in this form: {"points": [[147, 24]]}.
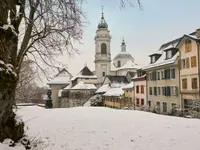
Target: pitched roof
{"points": [[114, 92], [162, 59], [63, 77], [117, 79], [132, 74], [85, 73], [83, 86]]}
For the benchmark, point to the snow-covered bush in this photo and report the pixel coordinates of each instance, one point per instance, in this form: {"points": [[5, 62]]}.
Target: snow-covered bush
{"points": [[96, 100]]}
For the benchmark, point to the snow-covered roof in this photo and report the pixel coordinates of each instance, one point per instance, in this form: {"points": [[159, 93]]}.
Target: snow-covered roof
{"points": [[68, 87], [129, 86], [193, 37], [128, 65], [60, 80], [136, 77], [114, 92], [63, 77], [162, 61], [154, 53], [85, 77], [103, 88], [83, 86], [85, 73]]}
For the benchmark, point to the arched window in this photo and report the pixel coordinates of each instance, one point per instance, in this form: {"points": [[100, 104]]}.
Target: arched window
{"points": [[103, 48], [119, 64]]}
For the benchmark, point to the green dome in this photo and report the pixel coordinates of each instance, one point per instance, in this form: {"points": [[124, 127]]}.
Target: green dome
{"points": [[123, 55]]}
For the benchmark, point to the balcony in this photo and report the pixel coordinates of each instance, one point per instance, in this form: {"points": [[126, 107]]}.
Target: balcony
{"points": [[102, 57]]}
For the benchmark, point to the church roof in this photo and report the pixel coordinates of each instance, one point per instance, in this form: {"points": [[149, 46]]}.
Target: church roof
{"points": [[84, 73], [102, 24], [122, 55]]}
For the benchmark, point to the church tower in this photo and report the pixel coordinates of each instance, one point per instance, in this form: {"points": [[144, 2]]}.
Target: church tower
{"points": [[102, 50]]}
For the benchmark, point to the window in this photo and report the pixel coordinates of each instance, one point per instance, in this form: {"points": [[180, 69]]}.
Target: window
{"points": [[142, 89], [104, 74], [158, 75], [159, 92], [174, 90], [158, 106], [150, 91], [188, 46], [167, 74], [164, 91], [184, 83], [162, 74], [103, 48], [154, 75], [173, 73], [188, 62], [194, 83], [137, 89], [155, 91], [137, 101], [164, 107], [142, 101], [167, 91], [119, 63], [183, 63], [150, 76], [168, 54], [153, 59], [193, 61]]}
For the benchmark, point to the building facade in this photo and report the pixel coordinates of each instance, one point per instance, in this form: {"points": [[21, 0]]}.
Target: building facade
{"points": [[140, 94], [163, 79], [190, 70]]}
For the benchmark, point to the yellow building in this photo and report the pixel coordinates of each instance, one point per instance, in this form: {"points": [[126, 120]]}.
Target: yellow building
{"points": [[113, 98], [128, 99], [189, 61]]}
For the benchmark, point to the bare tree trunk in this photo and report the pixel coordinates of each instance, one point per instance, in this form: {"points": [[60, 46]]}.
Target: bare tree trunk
{"points": [[9, 128]]}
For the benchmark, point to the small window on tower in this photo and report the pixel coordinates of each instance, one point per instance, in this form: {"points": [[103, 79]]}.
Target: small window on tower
{"points": [[104, 74], [119, 63], [103, 48]]}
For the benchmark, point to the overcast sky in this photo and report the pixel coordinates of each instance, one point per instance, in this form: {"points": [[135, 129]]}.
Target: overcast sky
{"points": [[144, 31]]}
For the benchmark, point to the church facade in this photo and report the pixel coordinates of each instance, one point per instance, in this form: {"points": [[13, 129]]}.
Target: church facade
{"points": [[104, 65]]}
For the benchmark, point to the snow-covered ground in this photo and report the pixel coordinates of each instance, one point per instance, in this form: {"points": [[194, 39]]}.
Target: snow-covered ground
{"points": [[87, 128]]}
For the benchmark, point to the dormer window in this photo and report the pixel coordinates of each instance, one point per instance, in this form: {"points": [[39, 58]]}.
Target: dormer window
{"points": [[168, 54], [153, 59]]}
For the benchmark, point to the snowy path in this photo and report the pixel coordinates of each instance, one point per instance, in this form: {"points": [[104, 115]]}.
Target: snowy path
{"points": [[87, 128]]}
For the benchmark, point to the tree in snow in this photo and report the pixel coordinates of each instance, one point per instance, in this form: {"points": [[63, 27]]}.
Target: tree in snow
{"points": [[40, 29], [96, 100]]}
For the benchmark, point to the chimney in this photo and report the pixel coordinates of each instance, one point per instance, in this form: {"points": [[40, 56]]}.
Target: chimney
{"points": [[198, 33]]}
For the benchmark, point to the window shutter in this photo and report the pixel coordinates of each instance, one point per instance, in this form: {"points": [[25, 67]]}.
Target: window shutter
{"points": [[165, 74], [169, 91], [187, 62], [155, 75], [165, 91]]}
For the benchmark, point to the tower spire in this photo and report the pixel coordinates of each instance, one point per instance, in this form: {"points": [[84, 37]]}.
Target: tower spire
{"points": [[102, 12], [123, 46]]}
